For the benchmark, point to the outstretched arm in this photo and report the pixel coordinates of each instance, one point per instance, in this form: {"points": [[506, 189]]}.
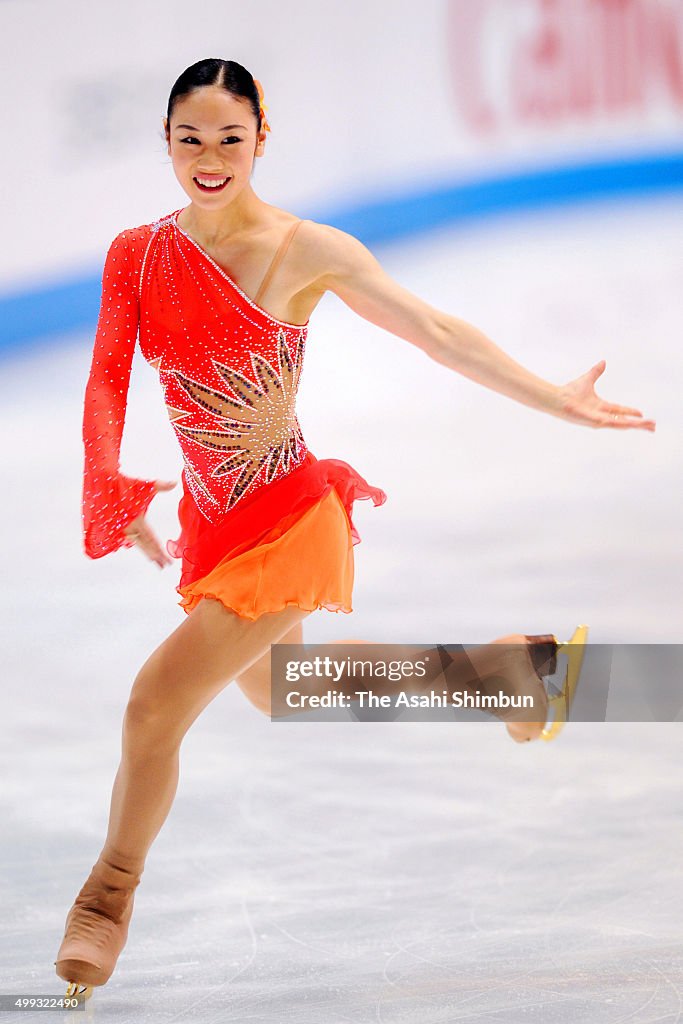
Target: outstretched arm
{"points": [[356, 276]]}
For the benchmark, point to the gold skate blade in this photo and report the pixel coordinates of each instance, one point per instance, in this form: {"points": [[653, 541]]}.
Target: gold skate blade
{"points": [[77, 991], [561, 704]]}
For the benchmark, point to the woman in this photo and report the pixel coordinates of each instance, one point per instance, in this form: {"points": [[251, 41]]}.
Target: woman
{"points": [[266, 528]]}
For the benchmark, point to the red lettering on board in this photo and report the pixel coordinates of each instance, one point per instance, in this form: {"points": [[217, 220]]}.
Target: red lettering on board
{"points": [[557, 60]]}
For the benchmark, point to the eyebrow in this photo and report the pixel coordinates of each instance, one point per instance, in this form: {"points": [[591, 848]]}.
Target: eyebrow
{"points": [[225, 128]]}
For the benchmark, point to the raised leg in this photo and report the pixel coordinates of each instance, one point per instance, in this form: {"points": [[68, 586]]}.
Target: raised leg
{"points": [[506, 660], [254, 682], [511, 665]]}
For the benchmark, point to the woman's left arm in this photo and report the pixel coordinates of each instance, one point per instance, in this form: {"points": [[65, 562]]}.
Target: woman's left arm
{"points": [[355, 275]]}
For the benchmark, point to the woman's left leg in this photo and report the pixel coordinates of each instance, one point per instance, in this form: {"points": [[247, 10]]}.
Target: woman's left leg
{"points": [[506, 659], [254, 682]]}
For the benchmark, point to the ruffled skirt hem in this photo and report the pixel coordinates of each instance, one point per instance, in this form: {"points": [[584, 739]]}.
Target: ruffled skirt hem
{"points": [[290, 546], [245, 614]]}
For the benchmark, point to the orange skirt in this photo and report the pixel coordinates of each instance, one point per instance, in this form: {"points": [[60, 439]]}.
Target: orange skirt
{"points": [[312, 562], [290, 543]]}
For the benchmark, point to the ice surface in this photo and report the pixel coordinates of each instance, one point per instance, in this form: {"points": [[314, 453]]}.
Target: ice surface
{"points": [[379, 872]]}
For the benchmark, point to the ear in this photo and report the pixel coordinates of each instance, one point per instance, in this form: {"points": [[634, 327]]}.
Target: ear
{"points": [[260, 143], [165, 127]]}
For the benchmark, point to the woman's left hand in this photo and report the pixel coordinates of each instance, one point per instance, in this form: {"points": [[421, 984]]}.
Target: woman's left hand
{"points": [[580, 404]]}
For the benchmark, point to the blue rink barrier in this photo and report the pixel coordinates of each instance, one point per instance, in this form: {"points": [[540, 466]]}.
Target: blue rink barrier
{"points": [[73, 305]]}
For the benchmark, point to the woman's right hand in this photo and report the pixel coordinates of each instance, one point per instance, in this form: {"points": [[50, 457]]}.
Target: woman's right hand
{"points": [[143, 535]]}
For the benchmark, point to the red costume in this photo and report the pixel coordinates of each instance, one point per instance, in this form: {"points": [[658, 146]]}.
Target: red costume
{"points": [[264, 523]]}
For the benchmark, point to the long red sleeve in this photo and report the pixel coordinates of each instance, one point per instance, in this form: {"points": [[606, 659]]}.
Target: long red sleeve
{"points": [[111, 500]]}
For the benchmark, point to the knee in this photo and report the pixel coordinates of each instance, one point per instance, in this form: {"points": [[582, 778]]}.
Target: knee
{"points": [[147, 724], [261, 701], [255, 684]]}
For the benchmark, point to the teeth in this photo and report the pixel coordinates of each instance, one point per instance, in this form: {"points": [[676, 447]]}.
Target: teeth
{"points": [[210, 183]]}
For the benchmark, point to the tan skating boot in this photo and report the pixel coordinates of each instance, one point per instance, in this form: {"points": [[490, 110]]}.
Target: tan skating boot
{"points": [[97, 926]]}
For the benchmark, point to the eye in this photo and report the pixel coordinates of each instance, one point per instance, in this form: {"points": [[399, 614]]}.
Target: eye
{"points": [[190, 139]]}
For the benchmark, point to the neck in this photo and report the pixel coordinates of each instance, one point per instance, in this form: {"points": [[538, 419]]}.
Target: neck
{"points": [[239, 217]]}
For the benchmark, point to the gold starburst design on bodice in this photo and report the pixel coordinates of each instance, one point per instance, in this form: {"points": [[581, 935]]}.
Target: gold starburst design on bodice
{"points": [[262, 428]]}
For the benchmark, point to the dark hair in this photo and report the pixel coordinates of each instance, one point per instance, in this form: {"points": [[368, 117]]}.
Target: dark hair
{"points": [[213, 71]]}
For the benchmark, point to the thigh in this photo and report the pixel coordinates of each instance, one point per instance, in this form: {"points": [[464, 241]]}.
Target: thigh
{"points": [[211, 648], [254, 682]]}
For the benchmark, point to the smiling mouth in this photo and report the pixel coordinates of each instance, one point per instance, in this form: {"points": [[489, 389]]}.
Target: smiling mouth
{"points": [[211, 184]]}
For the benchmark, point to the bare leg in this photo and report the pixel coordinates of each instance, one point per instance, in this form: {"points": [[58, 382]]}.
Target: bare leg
{"points": [[254, 682], [196, 662], [506, 659], [199, 659]]}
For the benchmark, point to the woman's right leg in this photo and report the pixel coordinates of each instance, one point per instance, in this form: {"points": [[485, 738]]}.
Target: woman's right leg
{"points": [[198, 660], [212, 647]]}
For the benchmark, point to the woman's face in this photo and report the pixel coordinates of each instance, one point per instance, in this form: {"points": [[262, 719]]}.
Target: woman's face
{"points": [[213, 138]]}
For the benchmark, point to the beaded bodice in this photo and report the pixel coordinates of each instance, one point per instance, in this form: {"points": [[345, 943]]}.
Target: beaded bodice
{"points": [[229, 372]]}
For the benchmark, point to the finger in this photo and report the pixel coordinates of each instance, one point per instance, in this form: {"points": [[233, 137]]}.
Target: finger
{"points": [[597, 370], [165, 485], [622, 410], [157, 553], [623, 423], [143, 537], [644, 425], [150, 545], [158, 556]]}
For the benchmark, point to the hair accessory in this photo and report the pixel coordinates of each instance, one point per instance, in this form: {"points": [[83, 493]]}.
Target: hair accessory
{"points": [[262, 106]]}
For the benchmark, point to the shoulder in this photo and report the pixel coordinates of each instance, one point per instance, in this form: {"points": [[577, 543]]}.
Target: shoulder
{"points": [[329, 242], [140, 235], [333, 254], [131, 243]]}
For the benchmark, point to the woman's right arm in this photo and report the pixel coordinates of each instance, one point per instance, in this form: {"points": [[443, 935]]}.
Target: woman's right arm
{"points": [[110, 500]]}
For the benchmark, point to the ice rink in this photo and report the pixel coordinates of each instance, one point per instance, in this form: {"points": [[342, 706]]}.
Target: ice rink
{"points": [[380, 873]]}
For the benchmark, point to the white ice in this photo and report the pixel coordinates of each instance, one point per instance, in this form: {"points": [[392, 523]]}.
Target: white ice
{"points": [[379, 873]]}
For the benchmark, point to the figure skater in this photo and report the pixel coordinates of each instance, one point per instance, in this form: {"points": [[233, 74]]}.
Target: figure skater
{"points": [[220, 294]]}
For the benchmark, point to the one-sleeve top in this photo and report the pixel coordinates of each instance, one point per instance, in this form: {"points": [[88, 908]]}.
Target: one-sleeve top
{"points": [[229, 372]]}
